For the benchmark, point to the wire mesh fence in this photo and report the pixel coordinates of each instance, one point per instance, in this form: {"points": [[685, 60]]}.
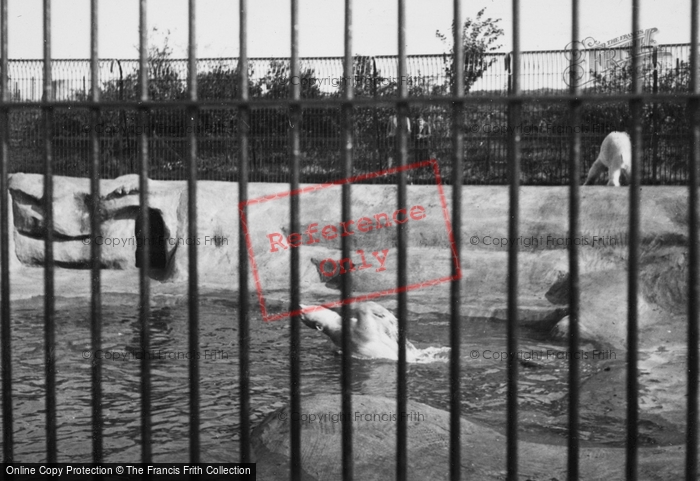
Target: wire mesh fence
{"points": [[545, 126]]}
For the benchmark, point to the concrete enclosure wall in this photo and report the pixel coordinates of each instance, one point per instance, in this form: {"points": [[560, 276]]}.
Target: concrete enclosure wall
{"points": [[543, 257]]}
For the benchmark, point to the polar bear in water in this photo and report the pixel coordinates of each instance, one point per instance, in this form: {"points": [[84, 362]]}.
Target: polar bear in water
{"points": [[374, 331], [615, 155]]}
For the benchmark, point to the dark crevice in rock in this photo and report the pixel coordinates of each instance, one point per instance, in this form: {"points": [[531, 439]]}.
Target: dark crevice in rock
{"points": [[57, 236], [155, 238]]}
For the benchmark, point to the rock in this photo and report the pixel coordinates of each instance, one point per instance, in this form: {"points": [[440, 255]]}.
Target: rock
{"points": [[70, 216], [559, 292], [603, 310], [374, 439], [543, 256], [561, 331], [15, 263]]}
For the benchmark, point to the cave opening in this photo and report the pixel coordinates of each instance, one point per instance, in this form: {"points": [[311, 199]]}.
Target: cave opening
{"points": [[155, 238]]}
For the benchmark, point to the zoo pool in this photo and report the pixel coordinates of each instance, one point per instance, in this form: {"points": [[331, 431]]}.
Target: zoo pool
{"points": [[542, 382]]}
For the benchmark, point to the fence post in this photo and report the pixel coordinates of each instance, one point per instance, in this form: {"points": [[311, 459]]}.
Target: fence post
{"points": [[375, 118], [123, 131], [509, 73]]}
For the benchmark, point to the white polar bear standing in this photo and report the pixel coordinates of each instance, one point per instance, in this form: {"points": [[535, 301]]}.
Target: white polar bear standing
{"points": [[616, 156]]}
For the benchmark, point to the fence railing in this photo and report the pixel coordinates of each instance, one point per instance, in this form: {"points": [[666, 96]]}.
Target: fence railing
{"points": [[544, 126], [543, 72]]}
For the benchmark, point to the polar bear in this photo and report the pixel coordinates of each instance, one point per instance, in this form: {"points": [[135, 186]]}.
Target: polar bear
{"points": [[374, 331], [615, 155]]}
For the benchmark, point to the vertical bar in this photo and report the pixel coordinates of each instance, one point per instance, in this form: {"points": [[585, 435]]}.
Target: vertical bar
{"points": [[457, 160], [691, 461], [5, 324], [346, 280], [402, 137], [375, 118], [192, 115], [514, 108], [295, 347], [243, 302], [49, 303], [633, 266], [96, 300], [145, 233], [574, 209]]}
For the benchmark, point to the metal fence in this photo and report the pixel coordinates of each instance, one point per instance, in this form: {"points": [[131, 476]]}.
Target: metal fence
{"points": [[516, 104], [544, 127]]}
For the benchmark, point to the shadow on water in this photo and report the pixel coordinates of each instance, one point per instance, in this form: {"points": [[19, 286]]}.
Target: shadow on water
{"points": [[542, 382]]}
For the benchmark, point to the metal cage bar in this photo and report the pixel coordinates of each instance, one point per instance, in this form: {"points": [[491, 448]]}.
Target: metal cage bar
{"points": [[144, 224], [334, 103], [514, 109], [346, 281], [633, 260], [49, 302], [95, 248], [574, 251], [193, 289], [691, 461], [243, 268], [402, 248], [455, 294], [295, 327], [5, 322]]}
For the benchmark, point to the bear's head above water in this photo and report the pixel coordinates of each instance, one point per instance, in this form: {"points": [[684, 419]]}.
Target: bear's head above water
{"points": [[374, 331]]}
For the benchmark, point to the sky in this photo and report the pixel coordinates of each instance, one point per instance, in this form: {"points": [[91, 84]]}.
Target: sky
{"points": [[545, 25]]}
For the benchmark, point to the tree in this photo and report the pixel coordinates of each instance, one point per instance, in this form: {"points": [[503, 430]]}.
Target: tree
{"points": [[221, 82], [480, 36], [669, 116]]}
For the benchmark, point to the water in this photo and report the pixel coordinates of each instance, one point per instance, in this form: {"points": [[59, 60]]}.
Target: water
{"points": [[542, 383]]}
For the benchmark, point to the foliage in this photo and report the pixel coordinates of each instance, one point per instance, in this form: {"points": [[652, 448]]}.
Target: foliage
{"points": [[657, 118], [544, 141], [480, 36]]}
